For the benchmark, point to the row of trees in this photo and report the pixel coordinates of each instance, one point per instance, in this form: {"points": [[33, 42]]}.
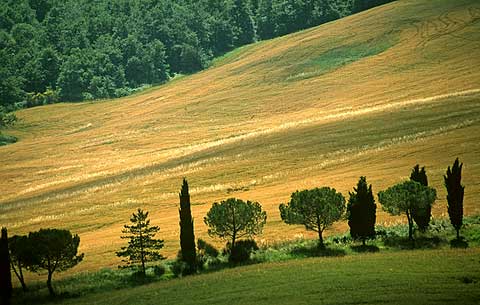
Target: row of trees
{"points": [[316, 209], [319, 208], [233, 219], [83, 49]]}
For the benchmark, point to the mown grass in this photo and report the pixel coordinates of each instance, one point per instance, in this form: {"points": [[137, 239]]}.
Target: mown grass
{"points": [[406, 277], [239, 129]]}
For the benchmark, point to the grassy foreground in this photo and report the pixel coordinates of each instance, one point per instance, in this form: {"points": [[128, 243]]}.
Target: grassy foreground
{"points": [[390, 241], [404, 277]]}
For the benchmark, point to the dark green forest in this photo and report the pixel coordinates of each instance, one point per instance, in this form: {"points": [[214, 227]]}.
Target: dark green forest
{"points": [[73, 50]]}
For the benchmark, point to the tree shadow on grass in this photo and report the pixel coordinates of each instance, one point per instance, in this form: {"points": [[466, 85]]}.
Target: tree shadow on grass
{"points": [[365, 248], [422, 242], [314, 251]]}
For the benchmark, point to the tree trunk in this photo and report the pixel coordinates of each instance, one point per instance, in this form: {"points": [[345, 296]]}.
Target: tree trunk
{"points": [[19, 275], [142, 255], [22, 280], [321, 245], [320, 231], [234, 236], [49, 284], [410, 226], [363, 241], [458, 234]]}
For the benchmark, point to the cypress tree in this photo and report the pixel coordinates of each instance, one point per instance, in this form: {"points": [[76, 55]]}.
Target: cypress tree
{"points": [[5, 275], [187, 236], [455, 192], [361, 211], [421, 216]]}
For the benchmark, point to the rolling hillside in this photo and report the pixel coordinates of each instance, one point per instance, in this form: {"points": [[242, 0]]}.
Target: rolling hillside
{"points": [[371, 94]]}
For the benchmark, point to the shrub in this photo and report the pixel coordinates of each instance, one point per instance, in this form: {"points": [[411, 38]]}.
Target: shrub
{"points": [[138, 276], [6, 139], [6, 118], [159, 270], [240, 253], [178, 268], [33, 99]]}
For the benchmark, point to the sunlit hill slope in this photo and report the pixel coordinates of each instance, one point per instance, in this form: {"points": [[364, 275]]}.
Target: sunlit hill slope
{"points": [[371, 94]]}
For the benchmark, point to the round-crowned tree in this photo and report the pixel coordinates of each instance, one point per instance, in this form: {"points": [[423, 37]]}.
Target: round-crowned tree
{"points": [[233, 219], [404, 198], [56, 250], [316, 209]]}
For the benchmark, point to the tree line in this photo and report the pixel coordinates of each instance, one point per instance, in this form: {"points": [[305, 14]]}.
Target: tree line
{"points": [[73, 50], [236, 221]]}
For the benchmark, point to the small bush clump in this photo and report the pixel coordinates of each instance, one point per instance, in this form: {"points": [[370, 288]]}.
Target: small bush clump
{"points": [[159, 270], [178, 268], [240, 253]]}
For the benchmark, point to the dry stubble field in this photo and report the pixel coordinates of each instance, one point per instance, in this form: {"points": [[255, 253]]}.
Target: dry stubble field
{"points": [[371, 94]]}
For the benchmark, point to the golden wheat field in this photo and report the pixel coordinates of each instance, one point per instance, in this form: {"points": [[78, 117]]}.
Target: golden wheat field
{"points": [[372, 94]]}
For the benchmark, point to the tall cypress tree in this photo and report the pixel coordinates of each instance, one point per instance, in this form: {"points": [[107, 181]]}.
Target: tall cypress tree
{"points": [[361, 211], [455, 192], [187, 236], [421, 216], [5, 275]]}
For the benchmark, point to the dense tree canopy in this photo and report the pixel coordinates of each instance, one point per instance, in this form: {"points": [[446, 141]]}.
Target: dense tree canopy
{"points": [[84, 49]]}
